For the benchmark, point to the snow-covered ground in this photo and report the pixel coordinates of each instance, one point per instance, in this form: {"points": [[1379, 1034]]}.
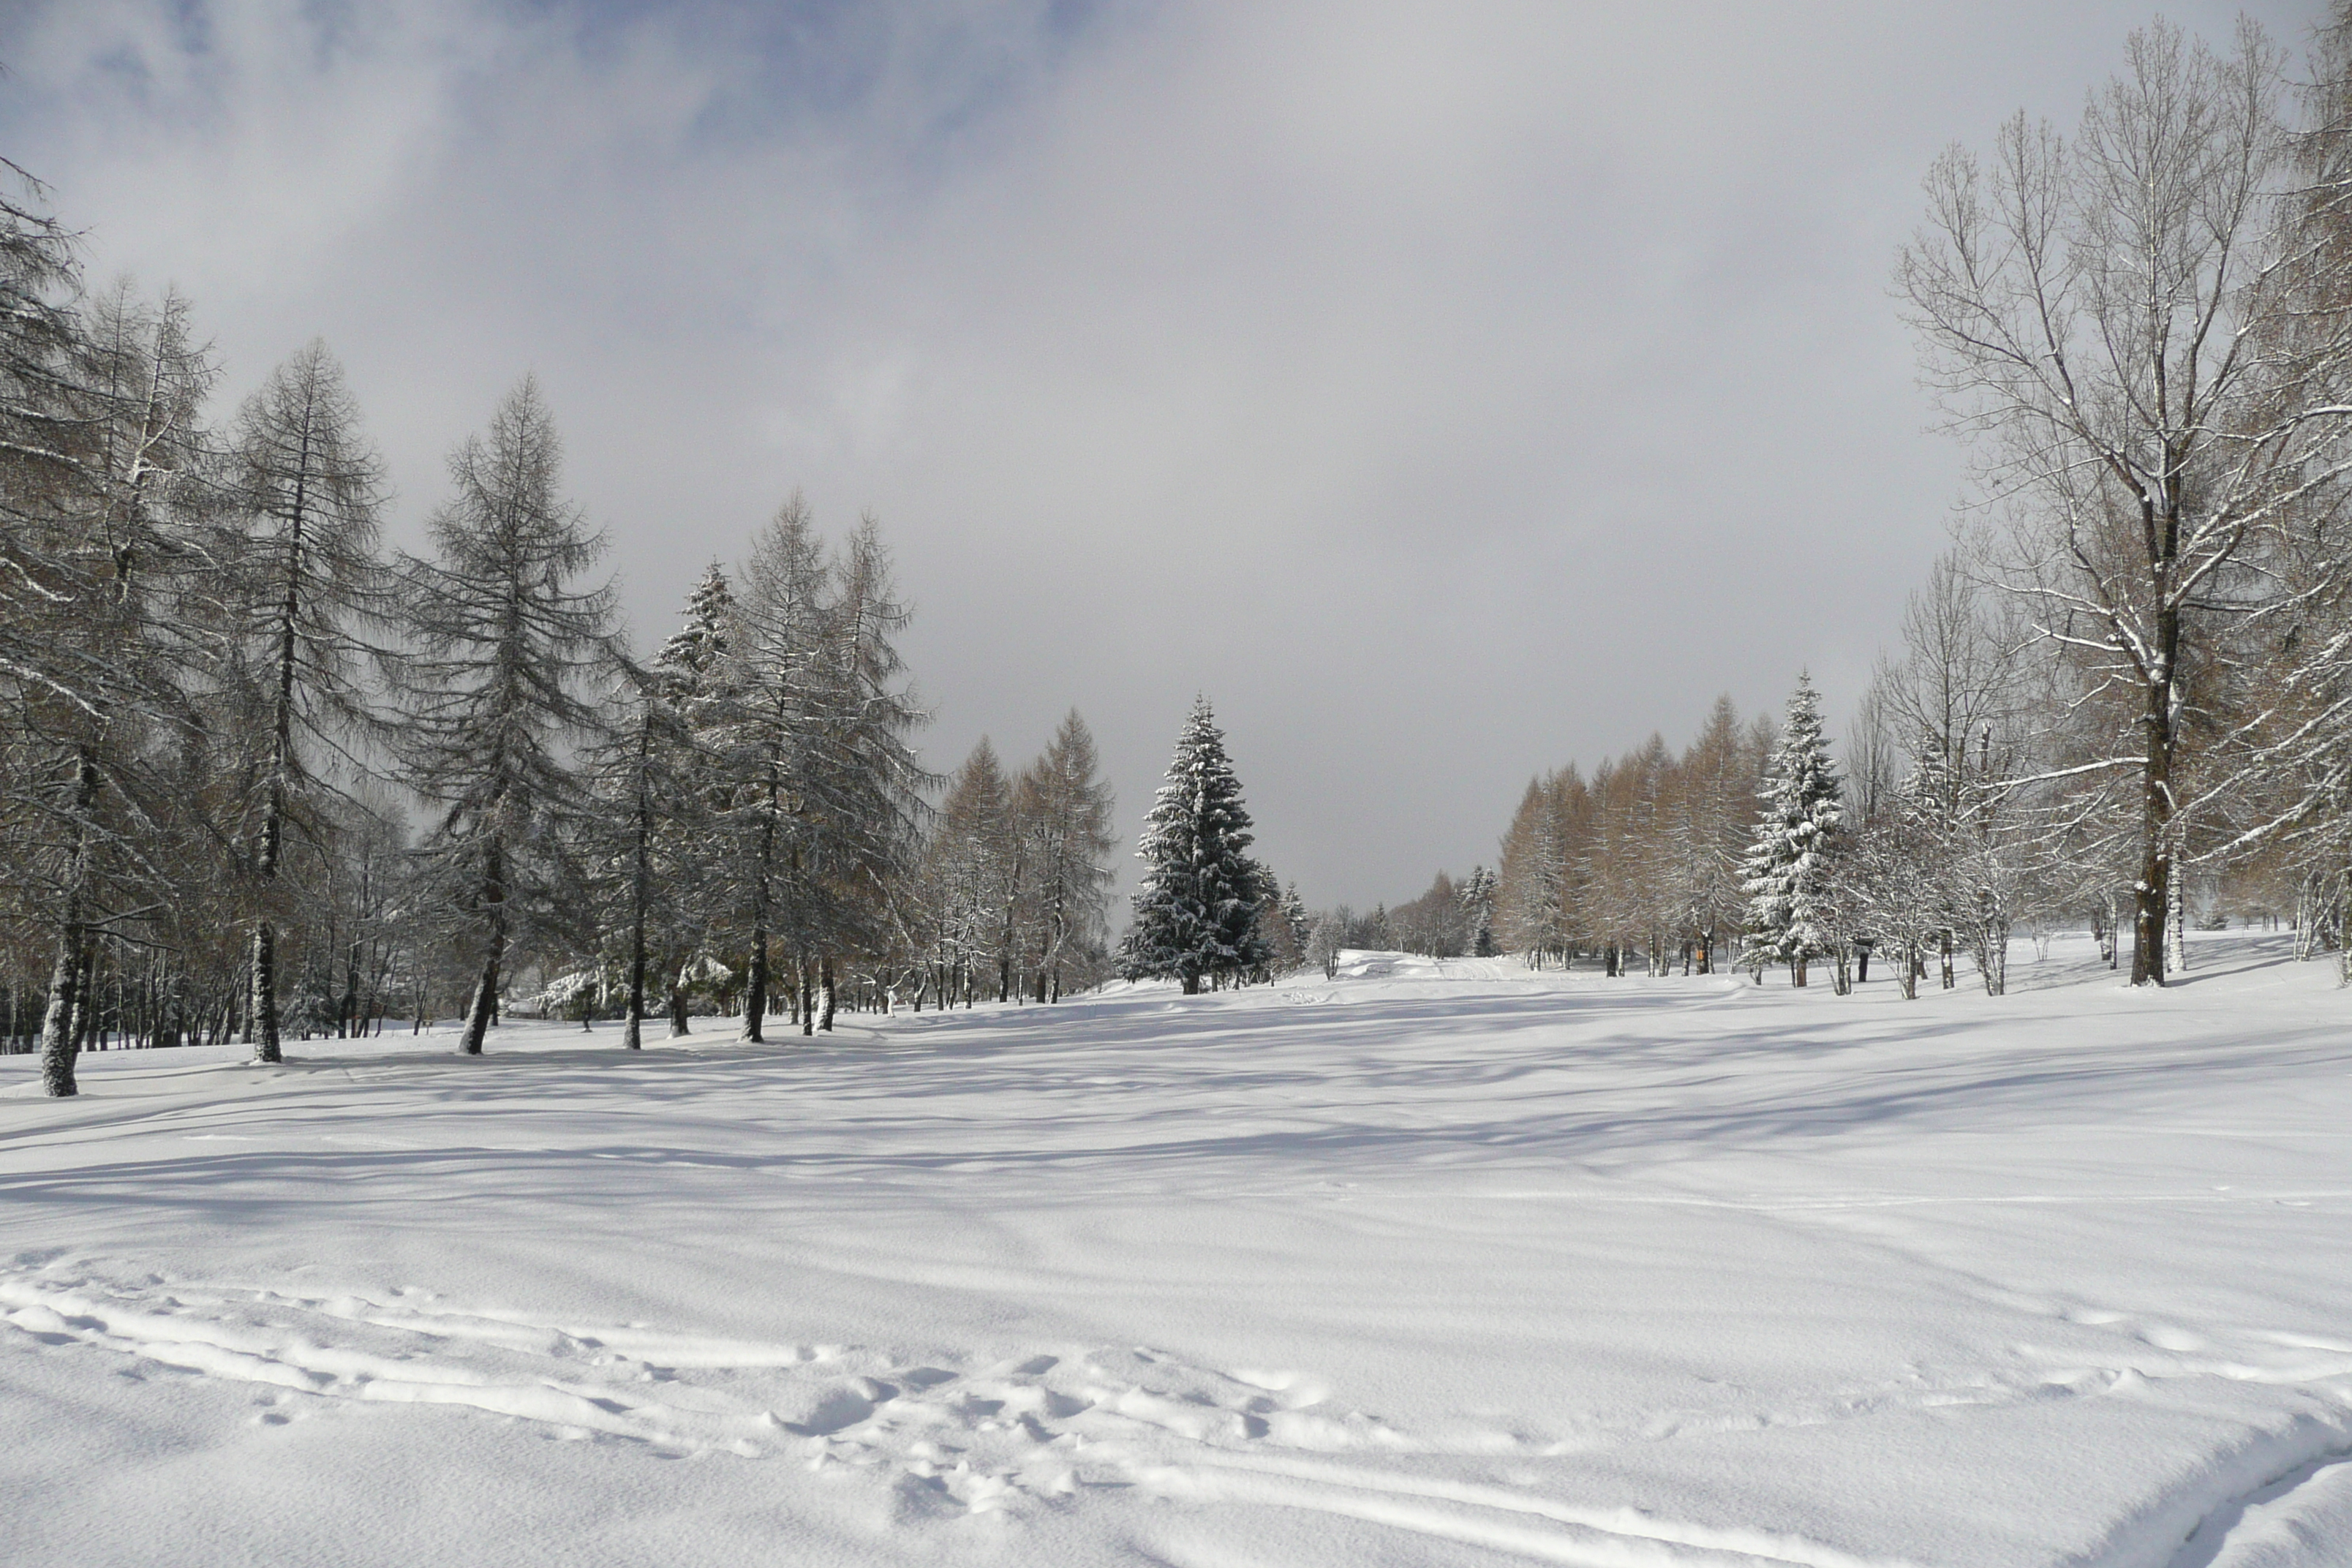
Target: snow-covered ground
{"points": [[1432, 1264]]}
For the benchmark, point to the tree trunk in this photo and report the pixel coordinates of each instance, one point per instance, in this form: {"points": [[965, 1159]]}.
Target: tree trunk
{"points": [[825, 979], [263, 1007], [755, 983], [85, 1008], [2176, 914], [348, 1009], [486, 991], [480, 1016], [633, 1022], [2151, 895], [59, 1042]]}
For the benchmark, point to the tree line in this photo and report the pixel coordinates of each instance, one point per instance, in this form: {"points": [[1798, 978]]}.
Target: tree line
{"points": [[262, 776]]}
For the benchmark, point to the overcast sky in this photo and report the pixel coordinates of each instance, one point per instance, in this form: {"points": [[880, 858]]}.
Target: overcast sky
{"points": [[1450, 391]]}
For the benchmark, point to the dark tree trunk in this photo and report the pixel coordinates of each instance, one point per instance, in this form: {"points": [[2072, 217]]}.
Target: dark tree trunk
{"points": [[478, 1016], [484, 1012], [263, 1006], [59, 1043], [347, 1010], [755, 983]]}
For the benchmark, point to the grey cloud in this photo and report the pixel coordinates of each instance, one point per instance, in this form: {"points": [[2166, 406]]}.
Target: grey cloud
{"points": [[1449, 391]]}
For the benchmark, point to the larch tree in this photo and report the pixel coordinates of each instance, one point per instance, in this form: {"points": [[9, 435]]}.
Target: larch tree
{"points": [[1196, 913], [305, 488], [865, 791], [962, 867], [1064, 806], [763, 736], [127, 474], [504, 641], [643, 776]]}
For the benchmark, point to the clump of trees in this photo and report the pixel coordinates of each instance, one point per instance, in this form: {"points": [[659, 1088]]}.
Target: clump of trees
{"points": [[1642, 862], [2125, 696], [1015, 881]]}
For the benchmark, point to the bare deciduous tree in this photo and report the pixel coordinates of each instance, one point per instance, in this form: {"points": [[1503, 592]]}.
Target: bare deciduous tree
{"points": [[2104, 316]]}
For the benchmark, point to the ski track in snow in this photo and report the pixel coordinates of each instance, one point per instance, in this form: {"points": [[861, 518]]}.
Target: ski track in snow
{"points": [[1036, 1432], [1028, 1434]]}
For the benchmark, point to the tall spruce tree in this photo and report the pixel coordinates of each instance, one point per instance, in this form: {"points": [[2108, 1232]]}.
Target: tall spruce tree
{"points": [[1788, 865], [504, 640], [692, 673], [1196, 914]]}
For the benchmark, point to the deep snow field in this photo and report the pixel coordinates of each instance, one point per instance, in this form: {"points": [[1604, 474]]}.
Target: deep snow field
{"points": [[1433, 1264]]}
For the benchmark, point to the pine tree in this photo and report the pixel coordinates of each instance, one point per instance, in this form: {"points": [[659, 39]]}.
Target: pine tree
{"points": [[690, 681], [1196, 914], [503, 642], [1787, 864], [697, 649], [1478, 897]]}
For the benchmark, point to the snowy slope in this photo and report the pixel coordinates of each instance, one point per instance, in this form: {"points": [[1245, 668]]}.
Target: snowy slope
{"points": [[1429, 1264]]}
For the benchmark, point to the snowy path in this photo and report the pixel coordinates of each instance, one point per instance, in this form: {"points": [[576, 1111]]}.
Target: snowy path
{"points": [[1423, 1265]]}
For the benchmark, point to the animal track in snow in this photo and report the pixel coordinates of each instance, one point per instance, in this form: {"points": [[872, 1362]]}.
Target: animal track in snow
{"points": [[1025, 1433], [1041, 1425]]}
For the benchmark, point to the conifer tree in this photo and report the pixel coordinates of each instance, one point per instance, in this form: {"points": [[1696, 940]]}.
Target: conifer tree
{"points": [[1066, 809], [1787, 864], [811, 746], [641, 775], [118, 456], [1196, 914], [306, 581], [1478, 897], [504, 640], [689, 680], [762, 730]]}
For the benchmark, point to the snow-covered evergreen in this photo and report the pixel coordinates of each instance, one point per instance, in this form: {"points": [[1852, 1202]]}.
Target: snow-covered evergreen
{"points": [[1788, 865], [1196, 913]]}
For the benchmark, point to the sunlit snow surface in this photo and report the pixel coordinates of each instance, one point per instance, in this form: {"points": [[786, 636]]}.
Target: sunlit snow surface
{"points": [[1432, 1264]]}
